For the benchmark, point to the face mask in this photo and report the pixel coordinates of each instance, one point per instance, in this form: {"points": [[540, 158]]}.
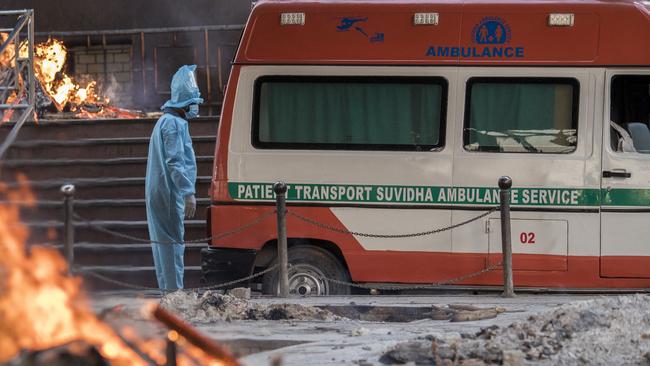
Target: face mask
{"points": [[192, 112]]}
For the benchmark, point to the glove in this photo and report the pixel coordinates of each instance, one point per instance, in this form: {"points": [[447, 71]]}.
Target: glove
{"points": [[190, 206]]}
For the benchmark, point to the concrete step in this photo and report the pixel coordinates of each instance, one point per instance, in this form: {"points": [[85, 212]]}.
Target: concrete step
{"points": [[135, 275], [104, 187], [97, 148], [97, 209], [88, 129], [40, 169], [52, 231], [106, 161]]}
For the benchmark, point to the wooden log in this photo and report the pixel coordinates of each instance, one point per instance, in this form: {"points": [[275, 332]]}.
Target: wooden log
{"points": [[195, 337]]}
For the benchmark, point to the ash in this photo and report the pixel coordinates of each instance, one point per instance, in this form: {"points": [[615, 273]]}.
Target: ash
{"points": [[213, 306], [602, 331]]}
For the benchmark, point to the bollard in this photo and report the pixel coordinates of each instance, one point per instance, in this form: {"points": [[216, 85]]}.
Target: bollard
{"points": [[505, 183], [170, 350], [68, 191], [280, 189]]}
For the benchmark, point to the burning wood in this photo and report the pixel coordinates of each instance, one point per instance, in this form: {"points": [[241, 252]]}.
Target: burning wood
{"points": [[58, 88], [44, 312], [194, 337]]}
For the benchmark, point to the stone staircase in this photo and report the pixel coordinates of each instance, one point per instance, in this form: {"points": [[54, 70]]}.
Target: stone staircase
{"points": [[106, 161]]}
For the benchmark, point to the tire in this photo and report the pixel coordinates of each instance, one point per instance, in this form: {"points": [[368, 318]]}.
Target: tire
{"points": [[308, 266]]}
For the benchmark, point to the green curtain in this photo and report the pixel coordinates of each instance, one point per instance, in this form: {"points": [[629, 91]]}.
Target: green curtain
{"points": [[350, 113], [502, 107]]}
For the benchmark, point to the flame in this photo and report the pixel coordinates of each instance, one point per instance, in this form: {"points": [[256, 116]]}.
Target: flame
{"points": [[63, 90], [11, 99], [7, 57], [42, 307], [49, 63]]}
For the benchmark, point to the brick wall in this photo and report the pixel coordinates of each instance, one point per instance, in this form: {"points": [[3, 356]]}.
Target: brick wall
{"points": [[110, 67]]}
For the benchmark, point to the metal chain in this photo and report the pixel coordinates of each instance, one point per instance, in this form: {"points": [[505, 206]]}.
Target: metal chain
{"points": [[415, 287], [201, 240], [140, 287], [390, 236], [271, 268]]}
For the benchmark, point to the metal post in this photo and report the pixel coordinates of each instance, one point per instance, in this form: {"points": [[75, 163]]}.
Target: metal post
{"points": [[142, 65], [208, 77], [219, 69], [280, 189], [505, 183], [170, 352], [68, 191], [30, 49]]}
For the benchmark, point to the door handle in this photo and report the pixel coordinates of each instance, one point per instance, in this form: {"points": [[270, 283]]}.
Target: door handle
{"points": [[618, 173]]}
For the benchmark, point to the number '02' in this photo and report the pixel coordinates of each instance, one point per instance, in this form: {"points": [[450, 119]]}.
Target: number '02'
{"points": [[527, 238]]}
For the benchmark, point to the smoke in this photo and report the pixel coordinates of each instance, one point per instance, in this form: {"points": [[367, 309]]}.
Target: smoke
{"points": [[112, 89]]}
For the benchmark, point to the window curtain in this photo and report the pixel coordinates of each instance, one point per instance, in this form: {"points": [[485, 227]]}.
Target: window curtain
{"points": [[505, 107], [349, 113]]}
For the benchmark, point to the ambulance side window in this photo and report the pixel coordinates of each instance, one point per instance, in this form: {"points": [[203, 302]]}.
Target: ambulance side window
{"points": [[521, 115], [630, 114], [349, 113]]}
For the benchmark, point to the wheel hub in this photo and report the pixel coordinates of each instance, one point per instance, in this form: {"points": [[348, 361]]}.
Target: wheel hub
{"points": [[306, 280]]}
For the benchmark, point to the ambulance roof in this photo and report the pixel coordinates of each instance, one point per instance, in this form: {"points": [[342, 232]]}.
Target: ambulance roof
{"points": [[472, 32]]}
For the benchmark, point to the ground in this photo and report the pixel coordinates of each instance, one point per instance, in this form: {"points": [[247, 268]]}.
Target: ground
{"points": [[347, 342]]}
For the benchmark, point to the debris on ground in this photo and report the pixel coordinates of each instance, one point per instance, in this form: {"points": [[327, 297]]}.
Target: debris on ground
{"points": [[464, 313], [243, 293], [604, 331], [358, 332], [214, 306]]}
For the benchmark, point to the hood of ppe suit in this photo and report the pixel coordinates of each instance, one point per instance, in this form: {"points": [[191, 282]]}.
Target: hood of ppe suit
{"points": [[184, 89]]}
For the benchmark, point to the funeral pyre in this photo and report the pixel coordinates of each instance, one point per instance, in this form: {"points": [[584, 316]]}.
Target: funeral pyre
{"points": [[55, 89], [45, 318]]}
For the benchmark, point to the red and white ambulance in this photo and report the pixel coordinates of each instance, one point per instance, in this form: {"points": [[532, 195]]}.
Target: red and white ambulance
{"points": [[398, 116]]}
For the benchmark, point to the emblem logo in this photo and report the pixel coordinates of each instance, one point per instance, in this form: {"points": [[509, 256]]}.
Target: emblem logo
{"points": [[358, 25], [492, 30], [490, 38]]}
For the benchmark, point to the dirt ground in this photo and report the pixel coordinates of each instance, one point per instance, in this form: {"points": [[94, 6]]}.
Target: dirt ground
{"points": [[533, 329]]}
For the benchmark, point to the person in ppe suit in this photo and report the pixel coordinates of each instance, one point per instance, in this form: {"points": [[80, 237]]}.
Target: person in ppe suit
{"points": [[170, 180]]}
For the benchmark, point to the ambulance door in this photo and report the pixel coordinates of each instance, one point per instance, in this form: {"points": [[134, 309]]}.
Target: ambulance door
{"points": [[625, 217], [534, 125]]}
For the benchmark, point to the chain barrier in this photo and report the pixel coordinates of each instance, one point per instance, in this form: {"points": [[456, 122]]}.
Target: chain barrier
{"points": [[263, 217], [389, 236], [99, 228], [147, 288], [148, 241], [428, 286]]}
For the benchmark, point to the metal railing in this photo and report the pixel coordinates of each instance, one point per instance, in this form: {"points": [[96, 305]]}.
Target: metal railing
{"points": [[283, 265], [17, 82]]}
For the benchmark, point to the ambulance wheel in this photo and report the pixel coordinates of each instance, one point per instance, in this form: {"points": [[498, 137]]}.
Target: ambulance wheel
{"points": [[308, 268]]}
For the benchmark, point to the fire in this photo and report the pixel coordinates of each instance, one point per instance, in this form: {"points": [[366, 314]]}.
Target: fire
{"points": [[42, 307], [7, 57], [62, 89], [49, 65]]}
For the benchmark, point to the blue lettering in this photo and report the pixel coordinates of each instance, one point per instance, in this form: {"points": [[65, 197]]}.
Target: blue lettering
{"points": [[519, 52], [475, 52]]}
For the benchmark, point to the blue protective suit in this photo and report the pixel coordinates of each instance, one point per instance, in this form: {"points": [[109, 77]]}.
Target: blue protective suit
{"points": [[171, 175]]}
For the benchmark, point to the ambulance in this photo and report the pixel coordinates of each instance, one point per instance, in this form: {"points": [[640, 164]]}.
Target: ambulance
{"points": [[399, 116]]}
